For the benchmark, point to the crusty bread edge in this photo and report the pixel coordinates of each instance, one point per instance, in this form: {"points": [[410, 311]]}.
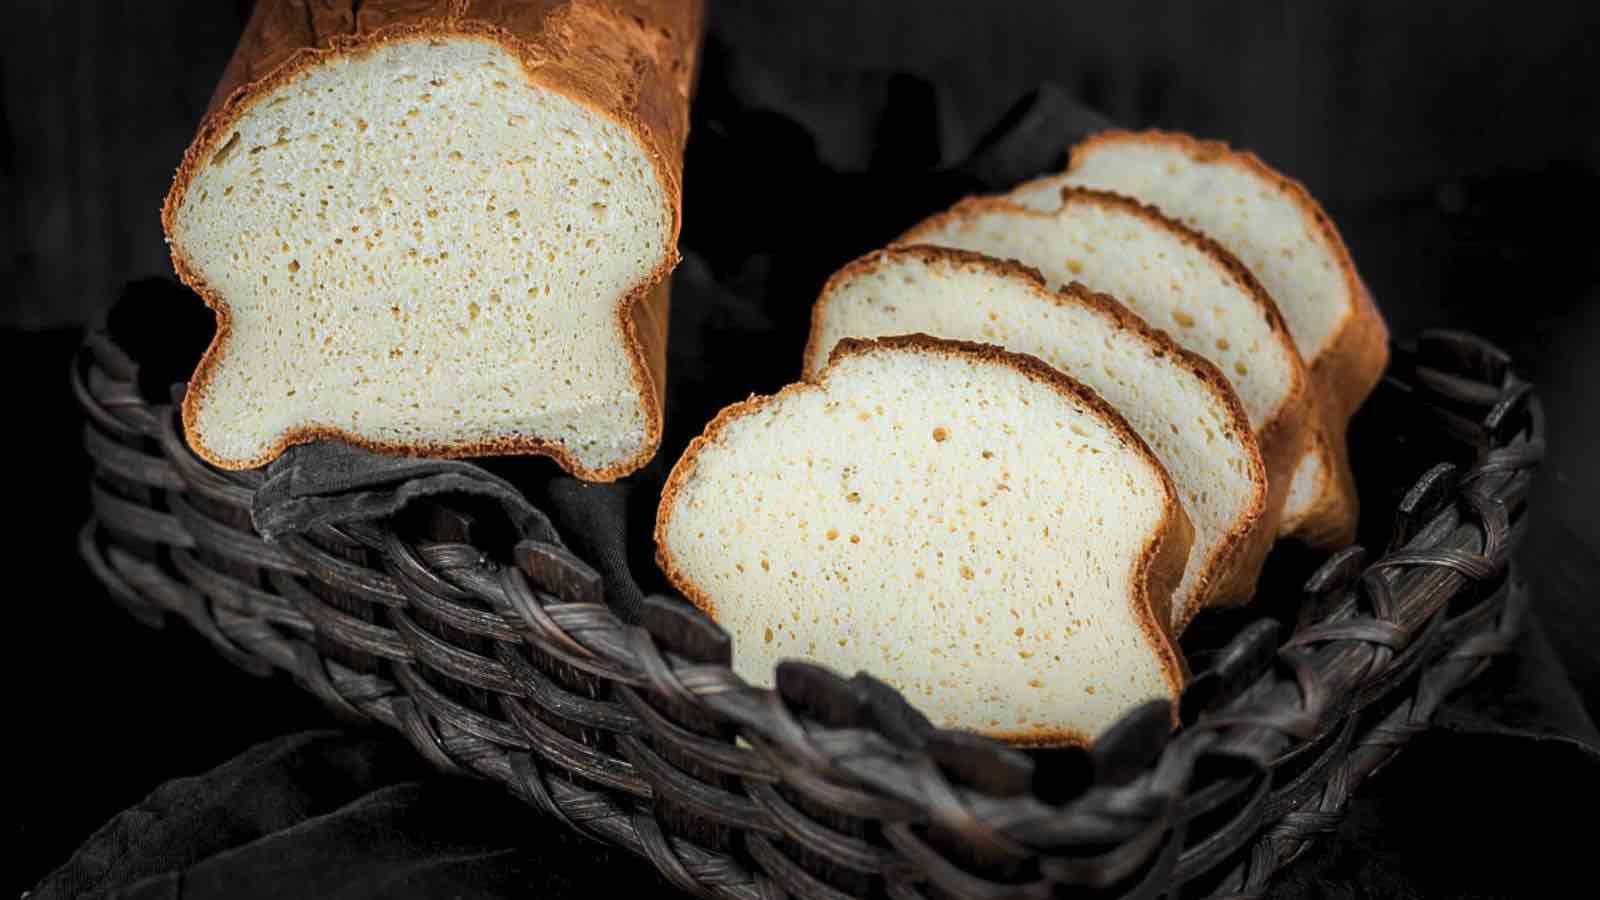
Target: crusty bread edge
{"points": [[1233, 565], [1157, 570], [1351, 364], [1289, 433], [1354, 360], [220, 120]]}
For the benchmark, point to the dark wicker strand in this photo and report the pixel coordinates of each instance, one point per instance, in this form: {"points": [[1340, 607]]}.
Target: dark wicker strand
{"points": [[592, 720]]}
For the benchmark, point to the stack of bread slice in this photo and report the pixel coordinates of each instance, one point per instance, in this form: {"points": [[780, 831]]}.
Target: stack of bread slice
{"points": [[1273, 226], [1036, 436], [1175, 400]]}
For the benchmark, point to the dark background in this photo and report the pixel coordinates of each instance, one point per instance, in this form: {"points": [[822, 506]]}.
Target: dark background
{"points": [[1456, 144]]}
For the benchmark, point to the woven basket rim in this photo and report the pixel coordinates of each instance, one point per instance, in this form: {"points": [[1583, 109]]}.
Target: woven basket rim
{"points": [[1263, 702]]}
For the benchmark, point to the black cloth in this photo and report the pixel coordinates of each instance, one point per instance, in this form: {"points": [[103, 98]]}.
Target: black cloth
{"points": [[335, 814], [354, 814], [333, 483]]}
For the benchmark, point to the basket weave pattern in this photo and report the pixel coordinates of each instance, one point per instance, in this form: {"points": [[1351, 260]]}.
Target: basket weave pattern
{"points": [[507, 664]]}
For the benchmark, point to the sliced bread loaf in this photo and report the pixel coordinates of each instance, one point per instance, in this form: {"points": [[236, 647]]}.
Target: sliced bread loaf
{"points": [[1275, 227], [1174, 278], [439, 227], [971, 525], [1175, 400]]}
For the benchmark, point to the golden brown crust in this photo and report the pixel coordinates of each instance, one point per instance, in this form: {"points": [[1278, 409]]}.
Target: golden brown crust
{"points": [[630, 60], [1285, 436], [1233, 565], [1346, 370], [1157, 571]]}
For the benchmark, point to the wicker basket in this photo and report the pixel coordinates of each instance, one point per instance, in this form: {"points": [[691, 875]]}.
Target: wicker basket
{"points": [[506, 663]]}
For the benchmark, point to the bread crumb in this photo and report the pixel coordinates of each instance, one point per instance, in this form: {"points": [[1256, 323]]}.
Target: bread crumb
{"points": [[940, 434], [833, 534]]}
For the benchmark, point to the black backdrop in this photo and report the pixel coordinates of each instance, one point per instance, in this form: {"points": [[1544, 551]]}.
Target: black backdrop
{"points": [[1457, 144]]}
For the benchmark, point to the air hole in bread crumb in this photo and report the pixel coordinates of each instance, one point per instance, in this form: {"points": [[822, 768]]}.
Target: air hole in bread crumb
{"points": [[294, 265], [221, 156]]}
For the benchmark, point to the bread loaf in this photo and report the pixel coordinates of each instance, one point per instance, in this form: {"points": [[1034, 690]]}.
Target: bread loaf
{"points": [[1275, 227], [968, 524], [439, 226], [1179, 403], [1173, 278]]}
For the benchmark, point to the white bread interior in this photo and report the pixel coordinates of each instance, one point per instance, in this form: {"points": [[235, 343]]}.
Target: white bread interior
{"points": [[1171, 277], [420, 248], [1176, 401], [1274, 227], [1169, 282], [1258, 223], [964, 523]]}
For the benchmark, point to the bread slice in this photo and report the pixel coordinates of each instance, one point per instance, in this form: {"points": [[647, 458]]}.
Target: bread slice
{"points": [[1174, 278], [1275, 227], [1175, 400], [439, 228], [968, 524]]}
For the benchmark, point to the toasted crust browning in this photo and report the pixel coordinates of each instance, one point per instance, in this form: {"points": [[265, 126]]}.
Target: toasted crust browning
{"points": [[1156, 572], [1229, 571], [632, 61]]}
